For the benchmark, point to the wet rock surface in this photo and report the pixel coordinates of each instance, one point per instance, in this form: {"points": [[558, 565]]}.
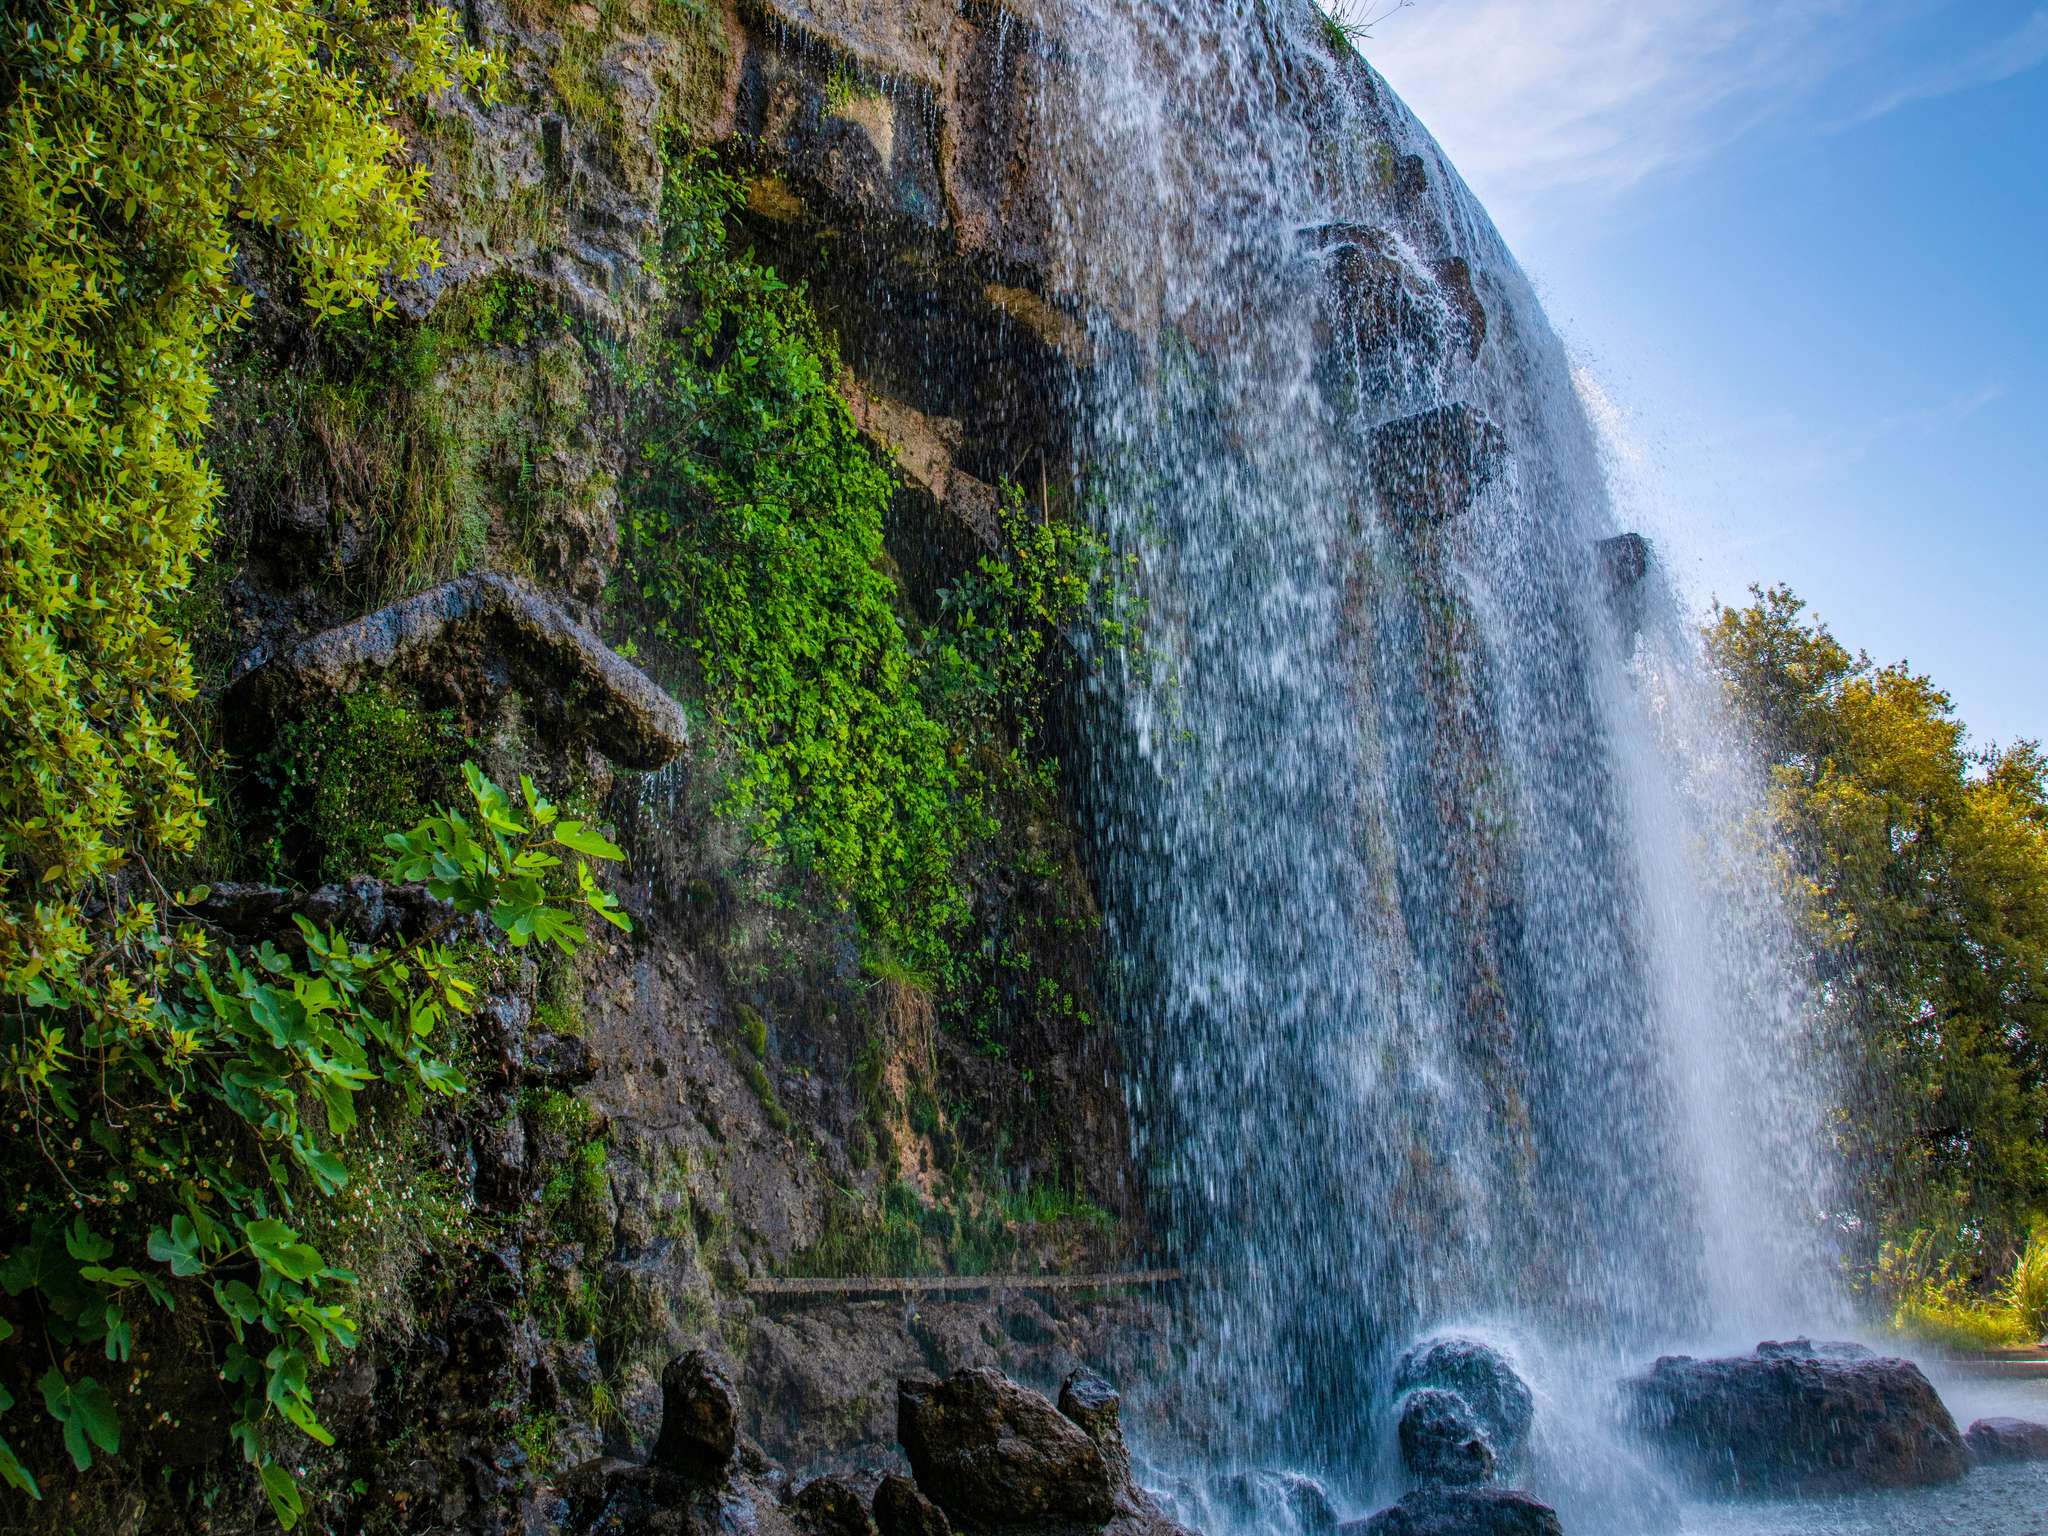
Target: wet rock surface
{"points": [[1795, 1423], [1259, 1498], [1461, 1512], [1482, 1378], [1442, 1441], [2001, 1440], [1432, 467]]}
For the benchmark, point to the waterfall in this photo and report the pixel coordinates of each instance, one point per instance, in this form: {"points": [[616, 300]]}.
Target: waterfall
{"points": [[1457, 983]]}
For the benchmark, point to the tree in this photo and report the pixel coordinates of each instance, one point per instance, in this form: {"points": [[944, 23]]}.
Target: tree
{"points": [[1921, 867]]}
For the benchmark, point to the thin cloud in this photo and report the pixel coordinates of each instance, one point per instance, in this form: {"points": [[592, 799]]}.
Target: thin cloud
{"points": [[2019, 52], [1534, 97]]}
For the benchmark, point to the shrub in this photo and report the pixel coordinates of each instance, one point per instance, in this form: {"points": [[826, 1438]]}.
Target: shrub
{"points": [[178, 1131]]}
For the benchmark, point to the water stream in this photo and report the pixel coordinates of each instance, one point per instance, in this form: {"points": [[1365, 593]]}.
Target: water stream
{"points": [[1430, 865]]}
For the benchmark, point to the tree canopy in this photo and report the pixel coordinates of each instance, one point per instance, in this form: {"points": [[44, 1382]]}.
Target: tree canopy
{"points": [[1921, 864]]}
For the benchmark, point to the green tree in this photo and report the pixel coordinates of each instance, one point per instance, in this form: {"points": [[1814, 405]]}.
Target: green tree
{"points": [[1921, 866]]}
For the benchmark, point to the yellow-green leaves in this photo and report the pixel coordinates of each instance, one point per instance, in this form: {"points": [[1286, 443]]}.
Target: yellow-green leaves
{"points": [[136, 147]]}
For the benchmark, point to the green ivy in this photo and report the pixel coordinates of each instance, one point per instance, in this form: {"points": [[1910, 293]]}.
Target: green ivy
{"points": [[873, 753], [184, 1109]]}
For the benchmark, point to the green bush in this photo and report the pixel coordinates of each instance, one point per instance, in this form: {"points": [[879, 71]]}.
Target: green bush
{"points": [[180, 1137]]}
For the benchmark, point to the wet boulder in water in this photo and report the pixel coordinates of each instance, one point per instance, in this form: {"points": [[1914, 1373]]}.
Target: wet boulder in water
{"points": [[1461, 1512], [1479, 1374], [1994, 1441], [1432, 467], [1442, 1442], [1798, 1424], [1385, 329]]}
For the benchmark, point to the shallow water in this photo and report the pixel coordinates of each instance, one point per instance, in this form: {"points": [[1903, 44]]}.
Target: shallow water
{"points": [[1992, 1501]]}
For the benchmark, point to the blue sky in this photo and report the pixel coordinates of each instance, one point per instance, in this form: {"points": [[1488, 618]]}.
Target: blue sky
{"points": [[1800, 250]]}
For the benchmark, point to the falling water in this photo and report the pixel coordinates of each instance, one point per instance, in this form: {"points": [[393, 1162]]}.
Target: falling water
{"points": [[1431, 872]]}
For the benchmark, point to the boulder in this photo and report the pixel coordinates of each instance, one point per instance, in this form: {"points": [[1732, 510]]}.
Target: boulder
{"points": [[1442, 1442], [1795, 1424], [1480, 1374], [900, 1510], [1994, 1441], [699, 1419], [1432, 467], [1461, 1512], [991, 1453]]}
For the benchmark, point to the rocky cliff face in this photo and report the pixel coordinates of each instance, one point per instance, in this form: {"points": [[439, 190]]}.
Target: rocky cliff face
{"points": [[422, 561]]}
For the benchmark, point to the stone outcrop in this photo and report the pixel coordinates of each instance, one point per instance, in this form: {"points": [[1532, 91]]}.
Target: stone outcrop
{"points": [[991, 1453], [2001, 1440], [1432, 467], [700, 1419], [1442, 1441], [1802, 1423], [1461, 1512], [478, 637]]}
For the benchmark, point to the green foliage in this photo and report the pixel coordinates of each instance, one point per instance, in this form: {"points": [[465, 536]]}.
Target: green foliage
{"points": [[756, 526], [872, 753], [337, 781], [136, 143], [2025, 1292], [184, 1110], [1933, 1298], [1922, 870]]}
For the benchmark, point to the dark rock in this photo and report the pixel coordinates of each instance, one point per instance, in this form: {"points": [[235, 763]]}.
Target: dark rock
{"points": [[1806, 1349], [1624, 566], [1461, 1512], [1481, 1375], [486, 634], [1253, 1499], [829, 1506], [1442, 1441], [1097, 1407], [1796, 1424], [991, 1453], [900, 1510], [2006, 1440], [557, 1061], [1432, 467], [699, 1418]]}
